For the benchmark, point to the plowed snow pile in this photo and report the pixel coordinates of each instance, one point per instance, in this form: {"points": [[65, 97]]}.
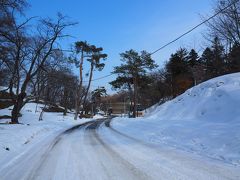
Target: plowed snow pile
{"points": [[204, 120]]}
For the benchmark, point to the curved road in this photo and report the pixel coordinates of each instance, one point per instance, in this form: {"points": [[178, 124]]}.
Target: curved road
{"points": [[95, 150]]}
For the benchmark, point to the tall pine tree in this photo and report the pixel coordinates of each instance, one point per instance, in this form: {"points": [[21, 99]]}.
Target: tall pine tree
{"points": [[132, 71]]}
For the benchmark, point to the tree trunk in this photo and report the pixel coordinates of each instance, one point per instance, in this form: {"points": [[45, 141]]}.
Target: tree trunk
{"points": [[11, 87], [89, 83], [131, 100], [17, 107], [79, 89], [135, 97], [15, 114], [65, 94], [76, 106], [18, 102], [41, 114]]}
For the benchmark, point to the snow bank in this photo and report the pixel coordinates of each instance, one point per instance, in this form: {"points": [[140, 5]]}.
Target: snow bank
{"points": [[204, 120], [16, 139]]}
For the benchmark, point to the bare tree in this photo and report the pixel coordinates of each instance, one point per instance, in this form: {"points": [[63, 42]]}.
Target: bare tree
{"points": [[29, 53], [9, 5], [8, 11], [226, 25]]}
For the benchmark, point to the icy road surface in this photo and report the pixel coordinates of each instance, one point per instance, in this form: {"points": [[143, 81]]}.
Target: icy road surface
{"points": [[95, 151]]}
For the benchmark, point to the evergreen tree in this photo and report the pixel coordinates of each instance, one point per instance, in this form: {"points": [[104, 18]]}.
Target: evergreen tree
{"points": [[97, 95], [195, 66], [178, 72], [192, 58], [233, 59], [206, 60], [218, 67], [84, 49], [214, 59], [131, 71], [95, 64], [93, 55]]}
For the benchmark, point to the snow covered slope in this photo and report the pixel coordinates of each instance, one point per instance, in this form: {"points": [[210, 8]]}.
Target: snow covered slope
{"points": [[204, 120]]}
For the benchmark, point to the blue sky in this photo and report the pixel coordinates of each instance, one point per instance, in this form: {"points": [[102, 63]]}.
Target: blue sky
{"points": [[120, 25]]}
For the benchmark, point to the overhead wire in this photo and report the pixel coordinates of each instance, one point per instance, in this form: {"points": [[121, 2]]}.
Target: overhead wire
{"points": [[179, 37], [195, 27], [189, 31], [103, 77]]}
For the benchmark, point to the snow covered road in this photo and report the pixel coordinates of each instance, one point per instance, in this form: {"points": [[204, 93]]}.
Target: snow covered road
{"points": [[94, 150]]}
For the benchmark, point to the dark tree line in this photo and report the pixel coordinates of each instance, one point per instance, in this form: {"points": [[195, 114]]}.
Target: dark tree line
{"points": [[182, 71], [187, 68]]}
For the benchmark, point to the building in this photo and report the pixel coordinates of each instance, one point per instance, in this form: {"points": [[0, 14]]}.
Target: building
{"points": [[122, 108]]}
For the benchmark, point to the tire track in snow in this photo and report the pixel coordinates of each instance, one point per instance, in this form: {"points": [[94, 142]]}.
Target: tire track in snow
{"points": [[85, 152], [35, 171], [117, 157], [106, 157]]}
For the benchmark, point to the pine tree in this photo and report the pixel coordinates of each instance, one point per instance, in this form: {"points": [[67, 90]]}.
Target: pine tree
{"points": [[214, 60], [233, 59], [84, 49], [131, 72], [178, 72], [95, 64], [218, 58], [192, 57], [93, 55], [97, 95], [195, 66], [206, 60]]}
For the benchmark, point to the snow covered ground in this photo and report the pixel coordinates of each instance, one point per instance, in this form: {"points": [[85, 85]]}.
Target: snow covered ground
{"points": [[17, 139], [194, 136], [205, 120], [95, 151]]}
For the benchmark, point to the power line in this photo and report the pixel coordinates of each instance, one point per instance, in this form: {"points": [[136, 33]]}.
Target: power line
{"points": [[176, 39], [184, 34], [101, 77], [195, 27]]}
